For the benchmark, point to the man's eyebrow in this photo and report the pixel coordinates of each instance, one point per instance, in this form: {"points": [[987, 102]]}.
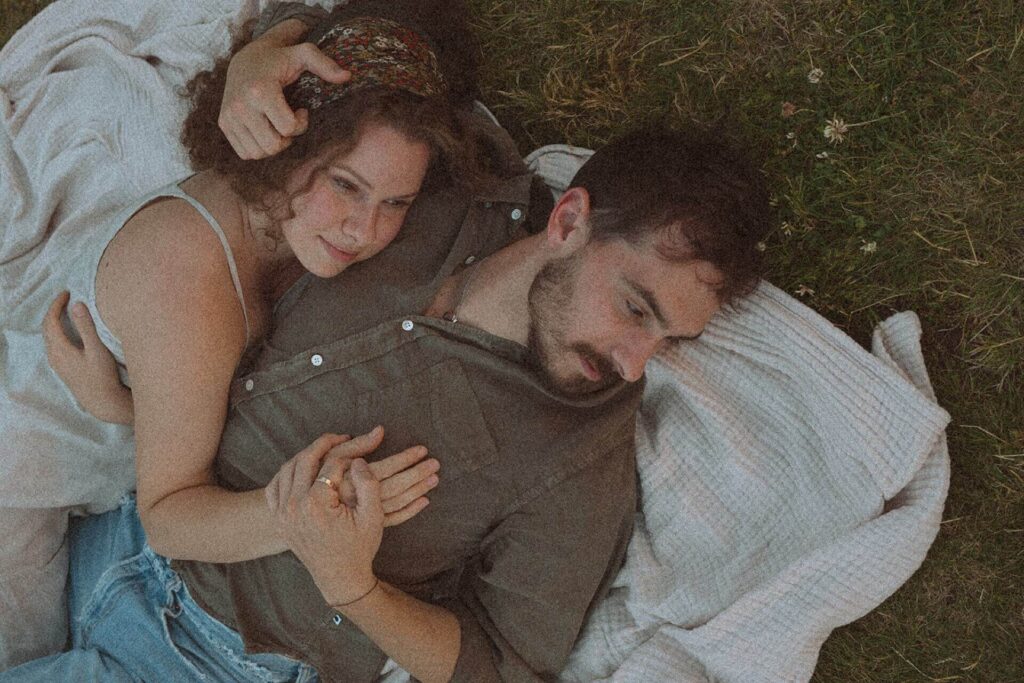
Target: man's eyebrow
{"points": [[679, 339], [652, 303], [362, 181], [649, 299]]}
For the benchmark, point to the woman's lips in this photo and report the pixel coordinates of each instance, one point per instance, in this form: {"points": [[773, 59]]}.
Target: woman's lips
{"points": [[338, 254]]}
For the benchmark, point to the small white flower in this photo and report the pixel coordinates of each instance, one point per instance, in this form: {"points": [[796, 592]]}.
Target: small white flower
{"points": [[760, 246], [814, 75], [787, 228], [803, 290], [869, 247], [791, 135], [821, 155], [835, 130]]}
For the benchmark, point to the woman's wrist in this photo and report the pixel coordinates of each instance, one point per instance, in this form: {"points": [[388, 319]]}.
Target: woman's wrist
{"points": [[352, 592], [359, 597]]}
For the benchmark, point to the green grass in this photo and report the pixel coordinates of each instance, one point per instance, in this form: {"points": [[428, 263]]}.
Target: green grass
{"points": [[932, 173]]}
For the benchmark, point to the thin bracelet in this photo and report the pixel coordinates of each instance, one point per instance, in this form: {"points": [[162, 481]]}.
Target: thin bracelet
{"points": [[352, 602]]}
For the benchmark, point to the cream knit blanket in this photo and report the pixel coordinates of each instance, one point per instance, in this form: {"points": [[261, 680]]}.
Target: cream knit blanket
{"points": [[791, 481]]}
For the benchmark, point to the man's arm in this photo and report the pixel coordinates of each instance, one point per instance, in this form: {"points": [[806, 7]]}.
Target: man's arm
{"points": [[522, 606], [254, 115]]}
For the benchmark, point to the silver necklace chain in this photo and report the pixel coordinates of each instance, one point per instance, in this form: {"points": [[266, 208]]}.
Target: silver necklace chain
{"points": [[452, 314]]}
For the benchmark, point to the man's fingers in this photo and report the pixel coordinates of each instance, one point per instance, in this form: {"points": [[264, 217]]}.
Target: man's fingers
{"points": [[285, 122], [243, 142], [316, 62], [396, 484], [405, 514], [393, 464]]}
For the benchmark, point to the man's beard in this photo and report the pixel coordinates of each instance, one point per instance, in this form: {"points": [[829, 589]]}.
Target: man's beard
{"points": [[549, 298]]}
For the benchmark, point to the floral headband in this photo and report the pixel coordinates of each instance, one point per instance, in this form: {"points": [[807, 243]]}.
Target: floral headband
{"points": [[377, 52]]}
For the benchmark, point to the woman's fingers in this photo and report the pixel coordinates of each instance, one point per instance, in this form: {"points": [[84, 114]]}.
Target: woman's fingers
{"points": [[368, 512], [56, 342], [403, 498], [86, 328], [405, 514], [309, 461], [361, 445], [396, 484], [393, 464]]}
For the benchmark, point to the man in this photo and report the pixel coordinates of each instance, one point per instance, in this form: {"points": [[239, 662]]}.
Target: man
{"points": [[517, 360]]}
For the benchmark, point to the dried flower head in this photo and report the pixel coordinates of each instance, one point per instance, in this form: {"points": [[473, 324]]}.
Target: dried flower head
{"points": [[788, 109], [869, 247], [760, 246], [814, 75], [835, 130]]}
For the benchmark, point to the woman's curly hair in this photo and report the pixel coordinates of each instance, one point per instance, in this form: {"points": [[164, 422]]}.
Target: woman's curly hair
{"points": [[334, 129]]}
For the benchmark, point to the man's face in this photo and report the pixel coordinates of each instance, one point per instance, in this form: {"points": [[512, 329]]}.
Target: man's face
{"points": [[601, 313]]}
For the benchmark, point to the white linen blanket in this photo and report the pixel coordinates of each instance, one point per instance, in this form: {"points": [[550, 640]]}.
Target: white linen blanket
{"points": [[791, 481]]}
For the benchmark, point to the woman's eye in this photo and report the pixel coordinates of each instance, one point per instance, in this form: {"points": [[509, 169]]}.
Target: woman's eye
{"points": [[398, 203], [634, 310], [343, 184]]}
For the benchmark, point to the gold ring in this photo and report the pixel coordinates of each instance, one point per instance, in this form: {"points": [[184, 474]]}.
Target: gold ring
{"points": [[325, 480]]}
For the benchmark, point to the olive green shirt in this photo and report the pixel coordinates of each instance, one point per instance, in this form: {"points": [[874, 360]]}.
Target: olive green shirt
{"points": [[536, 501]]}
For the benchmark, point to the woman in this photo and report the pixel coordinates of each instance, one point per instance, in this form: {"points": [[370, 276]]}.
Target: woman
{"points": [[182, 284]]}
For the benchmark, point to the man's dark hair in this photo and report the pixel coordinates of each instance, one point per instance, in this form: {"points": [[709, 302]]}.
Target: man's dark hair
{"points": [[692, 195]]}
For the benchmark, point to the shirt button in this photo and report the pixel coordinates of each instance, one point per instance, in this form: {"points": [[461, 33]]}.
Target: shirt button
{"points": [[337, 620], [407, 325], [469, 260], [317, 360], [517, 214], [249, 384]]}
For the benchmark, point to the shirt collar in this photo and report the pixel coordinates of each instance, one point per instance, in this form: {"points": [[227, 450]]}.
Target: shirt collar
{"points": [[514, 190]]}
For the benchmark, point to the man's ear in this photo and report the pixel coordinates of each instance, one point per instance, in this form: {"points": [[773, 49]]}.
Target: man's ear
{"points": [[569, 224]]}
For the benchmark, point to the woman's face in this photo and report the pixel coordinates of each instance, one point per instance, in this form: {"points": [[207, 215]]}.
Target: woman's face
{"points": [[355, 206]]}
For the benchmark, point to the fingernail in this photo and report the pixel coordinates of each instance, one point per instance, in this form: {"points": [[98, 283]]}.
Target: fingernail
{"points": [[432, 480]]}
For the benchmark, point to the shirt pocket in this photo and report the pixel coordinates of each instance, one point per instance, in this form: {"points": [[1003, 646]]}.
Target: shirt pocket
{"points": [[436, 408]]}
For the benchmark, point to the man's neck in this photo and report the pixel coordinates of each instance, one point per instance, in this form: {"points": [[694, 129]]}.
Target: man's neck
{"points": [[495, 297]]}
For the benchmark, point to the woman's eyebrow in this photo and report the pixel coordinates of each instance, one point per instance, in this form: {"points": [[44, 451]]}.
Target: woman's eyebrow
{"points": [[366, 184], [360, 179]]}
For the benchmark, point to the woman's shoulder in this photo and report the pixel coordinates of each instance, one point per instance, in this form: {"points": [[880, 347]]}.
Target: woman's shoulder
{"points": [[167, 259], [179, 233]]}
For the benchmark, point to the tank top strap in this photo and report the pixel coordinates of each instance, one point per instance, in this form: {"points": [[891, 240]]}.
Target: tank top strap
{"points": [[219, 231]]}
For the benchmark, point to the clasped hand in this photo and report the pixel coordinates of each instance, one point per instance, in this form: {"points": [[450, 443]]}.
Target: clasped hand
{"points": [[335, 526]]}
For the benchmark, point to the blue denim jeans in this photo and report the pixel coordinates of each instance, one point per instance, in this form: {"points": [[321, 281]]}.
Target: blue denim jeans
{"points": [[133, 619]]}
